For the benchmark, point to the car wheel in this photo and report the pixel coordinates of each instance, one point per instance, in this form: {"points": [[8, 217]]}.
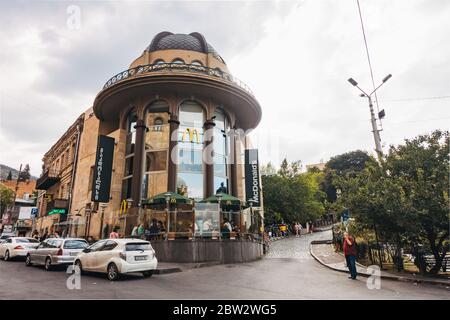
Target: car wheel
{"points": [[28, 261], [113, 272], [148, 274], [6, 257], [48, 264]]}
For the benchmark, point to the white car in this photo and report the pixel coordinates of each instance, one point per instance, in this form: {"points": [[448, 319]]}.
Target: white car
{"points": [[118, 256], [17, 247]]}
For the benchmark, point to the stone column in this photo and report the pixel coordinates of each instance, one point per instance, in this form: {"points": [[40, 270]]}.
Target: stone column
{"points": [[137, 162], [209, 168], [173, 153]]}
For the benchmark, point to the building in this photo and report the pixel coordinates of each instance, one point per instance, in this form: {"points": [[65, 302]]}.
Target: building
{"points": [[177, 119], [18, 218], [56, 181]]}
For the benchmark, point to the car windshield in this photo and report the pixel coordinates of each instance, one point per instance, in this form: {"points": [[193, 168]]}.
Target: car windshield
{"points": [[143, 246], [75, 244], [26, 240]]}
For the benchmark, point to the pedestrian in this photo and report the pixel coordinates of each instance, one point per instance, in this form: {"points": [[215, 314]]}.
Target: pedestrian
{"points": [[350, 254], [134, 232], [114, 234], [296, 229], [141, 230], [300, 228]]}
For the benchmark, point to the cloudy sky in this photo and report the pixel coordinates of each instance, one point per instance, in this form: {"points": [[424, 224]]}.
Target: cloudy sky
{"points": [[295, 55]]}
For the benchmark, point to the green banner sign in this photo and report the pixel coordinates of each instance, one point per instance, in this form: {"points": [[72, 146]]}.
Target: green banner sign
{"points": [[56, 211]]}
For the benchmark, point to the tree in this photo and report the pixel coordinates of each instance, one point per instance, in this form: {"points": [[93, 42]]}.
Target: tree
{"points": [[404, 197], [344, 164], [9, 177], [6, 198], [292, 195], [25, 174], [268, 169], [423, 166]]}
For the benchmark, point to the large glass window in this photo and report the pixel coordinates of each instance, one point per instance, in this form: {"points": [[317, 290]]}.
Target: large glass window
{"points": [[221, 147], [129, 155], [154, 179], [190, 147]]}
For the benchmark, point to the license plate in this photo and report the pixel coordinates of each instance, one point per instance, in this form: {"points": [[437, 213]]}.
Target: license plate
{"points": [[140, 258], [74, 253]]}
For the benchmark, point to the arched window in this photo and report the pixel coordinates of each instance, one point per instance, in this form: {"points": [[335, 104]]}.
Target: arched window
{"points": [[197, 63], [221, 152], [190, 147], [159, 61], [154, 180], [178, 61]]}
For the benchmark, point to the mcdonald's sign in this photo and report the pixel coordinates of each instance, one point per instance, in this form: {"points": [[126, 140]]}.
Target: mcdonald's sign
{"points": [[123, 207], [191, 132]]}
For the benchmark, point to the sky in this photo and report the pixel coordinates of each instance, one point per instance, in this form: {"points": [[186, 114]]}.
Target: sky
{"points": [[296, 56]]}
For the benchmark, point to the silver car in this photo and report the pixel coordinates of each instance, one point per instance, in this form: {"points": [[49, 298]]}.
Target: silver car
{"points": [[55, 252]]}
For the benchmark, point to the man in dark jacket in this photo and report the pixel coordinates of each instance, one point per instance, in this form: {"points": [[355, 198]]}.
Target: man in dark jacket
{"points": [[350, 254]]}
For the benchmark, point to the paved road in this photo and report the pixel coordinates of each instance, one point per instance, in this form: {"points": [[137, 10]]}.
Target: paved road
{"points": [[288, 272]]}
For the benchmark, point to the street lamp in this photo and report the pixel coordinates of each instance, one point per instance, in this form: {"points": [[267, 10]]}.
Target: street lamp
{"points": [[103, 207], [167, 197], [376, 132]]}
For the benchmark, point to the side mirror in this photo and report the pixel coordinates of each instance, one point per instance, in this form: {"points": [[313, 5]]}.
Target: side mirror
{"points": [[86, 250]]}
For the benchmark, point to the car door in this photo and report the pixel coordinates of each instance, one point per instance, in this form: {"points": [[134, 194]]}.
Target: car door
{"points": [[104, 255], [88, 259], [38, 255]]}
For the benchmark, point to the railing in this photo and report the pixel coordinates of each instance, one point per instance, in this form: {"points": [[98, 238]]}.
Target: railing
{"points": [[170, 67], [42, 181]]}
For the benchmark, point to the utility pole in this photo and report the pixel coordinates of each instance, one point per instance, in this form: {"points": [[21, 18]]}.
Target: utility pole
{"points": [[373, 120]]}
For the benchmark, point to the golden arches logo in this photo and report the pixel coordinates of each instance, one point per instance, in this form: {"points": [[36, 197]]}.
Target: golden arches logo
{"points": [[123, 207], [191, 132]]}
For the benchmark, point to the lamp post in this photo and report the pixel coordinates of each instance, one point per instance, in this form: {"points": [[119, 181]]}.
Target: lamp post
{"points": [[219, 200], [375, 130], [251, 202], [103, 207], [167, 197]]}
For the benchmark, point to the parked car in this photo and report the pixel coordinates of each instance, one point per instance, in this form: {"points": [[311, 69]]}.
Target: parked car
{"points": [[6, 235], [117, 256], [17, 247], [55, 252]]}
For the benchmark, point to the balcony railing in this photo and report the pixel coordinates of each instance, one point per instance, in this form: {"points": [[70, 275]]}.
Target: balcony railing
{"points": [[47, 179], [175, 67]]}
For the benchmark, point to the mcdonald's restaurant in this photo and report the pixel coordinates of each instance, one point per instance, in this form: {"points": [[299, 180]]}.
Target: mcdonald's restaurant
{"points": [[164, 154]]}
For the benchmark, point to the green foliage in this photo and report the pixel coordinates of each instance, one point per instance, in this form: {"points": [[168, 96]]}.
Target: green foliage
{"points": [[405, 195], [25, 174], [292, 195], [6, 198], [9, 177], [342, 165]]}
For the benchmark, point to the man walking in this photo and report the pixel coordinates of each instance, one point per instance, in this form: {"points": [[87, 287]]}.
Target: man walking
{"points": [[350, 254]]}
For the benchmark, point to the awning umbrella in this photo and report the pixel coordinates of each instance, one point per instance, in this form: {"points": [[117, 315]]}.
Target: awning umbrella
{"points": [[174, 198], [225, 200]]}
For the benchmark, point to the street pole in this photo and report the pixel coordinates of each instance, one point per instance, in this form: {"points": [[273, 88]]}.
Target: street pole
{"points": [[376, 132]]}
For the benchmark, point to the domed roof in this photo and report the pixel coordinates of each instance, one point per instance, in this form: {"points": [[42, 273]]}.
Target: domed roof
{"points": [[193, 42]]}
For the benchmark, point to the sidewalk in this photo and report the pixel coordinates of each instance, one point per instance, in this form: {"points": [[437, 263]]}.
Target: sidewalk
{"points": [[324, 253], [172, 267]]}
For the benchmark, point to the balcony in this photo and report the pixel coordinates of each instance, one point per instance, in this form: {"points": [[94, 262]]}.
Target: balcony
{"points": [[177, 67], [47, 179]]}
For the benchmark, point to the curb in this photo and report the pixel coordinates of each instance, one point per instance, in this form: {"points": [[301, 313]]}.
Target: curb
{"points": [[391, 277], [196, 266]]}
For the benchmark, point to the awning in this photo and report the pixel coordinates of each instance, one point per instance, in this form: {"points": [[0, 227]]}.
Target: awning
{"points": [[225, 200], [161, 199]]}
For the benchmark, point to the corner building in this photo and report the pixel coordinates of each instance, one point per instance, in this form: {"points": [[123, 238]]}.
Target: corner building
{"points": [[176, 100]]}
